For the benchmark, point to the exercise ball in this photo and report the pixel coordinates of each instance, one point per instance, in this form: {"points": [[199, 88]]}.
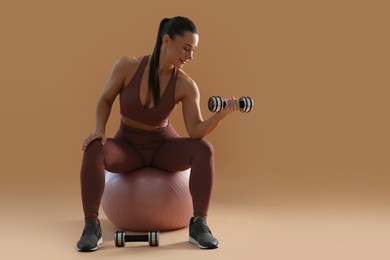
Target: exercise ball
{"points": [[148, 199]]}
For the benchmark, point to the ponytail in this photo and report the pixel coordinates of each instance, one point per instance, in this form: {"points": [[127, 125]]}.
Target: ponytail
{"points": [[154, 79]]}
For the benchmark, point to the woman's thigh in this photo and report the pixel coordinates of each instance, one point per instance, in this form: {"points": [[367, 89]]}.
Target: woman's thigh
{"points": [[178, 154], [121, 157]]}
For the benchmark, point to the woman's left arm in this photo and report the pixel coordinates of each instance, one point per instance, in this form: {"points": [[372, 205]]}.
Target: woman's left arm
{"points": [[198, 128]]}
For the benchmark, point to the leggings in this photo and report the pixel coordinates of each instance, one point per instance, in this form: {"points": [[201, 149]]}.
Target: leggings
{"points": [[133, 148]]}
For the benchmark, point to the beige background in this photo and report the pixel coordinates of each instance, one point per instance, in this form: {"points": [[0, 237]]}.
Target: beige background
{"points": [[303, 176]]}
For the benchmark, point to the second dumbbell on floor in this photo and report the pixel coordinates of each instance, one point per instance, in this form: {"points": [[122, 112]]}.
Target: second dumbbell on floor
{"points": [[152, 237]]}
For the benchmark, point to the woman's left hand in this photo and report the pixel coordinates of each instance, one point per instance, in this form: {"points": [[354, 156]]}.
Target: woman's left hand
{"points": [[232, 105]]}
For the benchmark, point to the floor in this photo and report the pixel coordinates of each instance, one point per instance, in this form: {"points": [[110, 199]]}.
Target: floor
{"points": [[44, 224]]}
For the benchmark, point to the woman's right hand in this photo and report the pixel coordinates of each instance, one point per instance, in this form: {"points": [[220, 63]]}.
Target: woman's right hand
{"points": [[94, 136]]}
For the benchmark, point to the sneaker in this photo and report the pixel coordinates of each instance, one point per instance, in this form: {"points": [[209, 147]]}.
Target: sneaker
{"points": [[201, 235], [91, 238]]}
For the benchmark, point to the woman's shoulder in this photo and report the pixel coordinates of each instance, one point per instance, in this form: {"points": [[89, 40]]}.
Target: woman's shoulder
{"points": [[185, 85], [126, 65], [128, 61], [184, 80]]}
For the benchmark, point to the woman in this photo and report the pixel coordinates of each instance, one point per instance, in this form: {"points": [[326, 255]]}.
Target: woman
{"points": [[149, 88]]}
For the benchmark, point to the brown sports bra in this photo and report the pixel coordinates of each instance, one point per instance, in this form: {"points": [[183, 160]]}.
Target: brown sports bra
{"points": [[130, 101]]}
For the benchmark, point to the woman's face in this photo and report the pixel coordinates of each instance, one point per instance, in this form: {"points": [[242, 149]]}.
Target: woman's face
{"points": [[181, 49]]}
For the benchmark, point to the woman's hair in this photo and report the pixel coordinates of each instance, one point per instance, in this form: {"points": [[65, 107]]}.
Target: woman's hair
{"points": [[171, 26]]}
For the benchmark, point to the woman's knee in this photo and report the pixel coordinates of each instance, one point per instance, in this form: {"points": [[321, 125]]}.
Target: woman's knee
{"points": [[94, 148], [205, 147]]}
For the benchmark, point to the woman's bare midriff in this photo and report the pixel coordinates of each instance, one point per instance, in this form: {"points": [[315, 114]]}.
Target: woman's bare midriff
{"points": [[136, 124]]}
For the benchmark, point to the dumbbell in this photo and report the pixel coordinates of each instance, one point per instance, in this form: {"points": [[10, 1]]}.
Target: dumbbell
{"points": [[216, 104], [121, 238]]}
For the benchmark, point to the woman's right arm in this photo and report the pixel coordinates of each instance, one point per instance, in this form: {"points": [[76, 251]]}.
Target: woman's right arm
{"points": [[111, 89]]}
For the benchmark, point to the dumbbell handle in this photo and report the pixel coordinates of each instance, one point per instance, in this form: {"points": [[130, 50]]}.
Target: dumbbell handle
{"points": [[242, 103], [136, 238]]}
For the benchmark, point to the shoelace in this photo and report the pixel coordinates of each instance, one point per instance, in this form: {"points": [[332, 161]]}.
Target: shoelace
{"points": [[202, 227], [91, 230]]}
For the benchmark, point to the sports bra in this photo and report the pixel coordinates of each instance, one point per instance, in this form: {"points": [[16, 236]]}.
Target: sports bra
{"points": [[132, 107]]}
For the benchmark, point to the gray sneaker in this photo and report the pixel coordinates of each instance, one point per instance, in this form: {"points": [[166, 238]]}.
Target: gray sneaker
{"points": [[201, 235], [91, 238]]}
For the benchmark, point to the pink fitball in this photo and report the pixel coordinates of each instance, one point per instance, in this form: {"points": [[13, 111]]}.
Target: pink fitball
{"points": [[148, 199]]}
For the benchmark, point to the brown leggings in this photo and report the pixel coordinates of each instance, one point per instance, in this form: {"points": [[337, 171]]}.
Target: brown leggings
{"points": [[133, 148]]}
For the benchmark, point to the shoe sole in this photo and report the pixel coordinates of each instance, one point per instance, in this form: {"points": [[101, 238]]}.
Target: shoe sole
{"points": [[193, 241], [100, 241]]}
